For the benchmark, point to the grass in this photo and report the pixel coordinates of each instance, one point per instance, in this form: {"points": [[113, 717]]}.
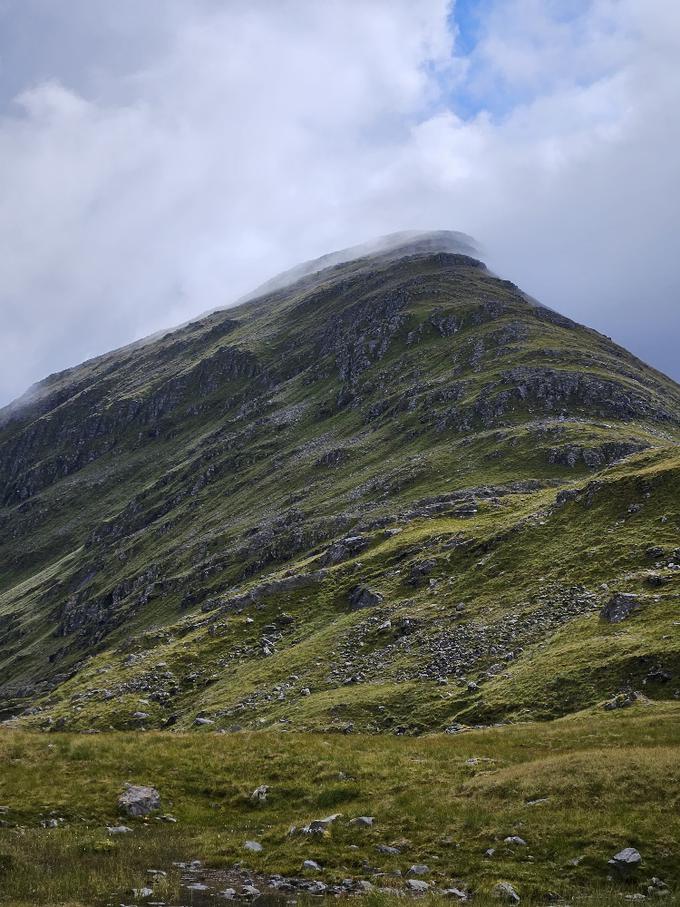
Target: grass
{"points": [[608, 780]]}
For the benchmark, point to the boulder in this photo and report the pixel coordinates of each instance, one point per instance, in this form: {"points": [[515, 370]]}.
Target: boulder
{"points": [[316, 826], [137, 800], [625, 862], [363, 597], [515, 839], [419, 869], [259, 795], [505, 892], [619, 607], [118, 829]]}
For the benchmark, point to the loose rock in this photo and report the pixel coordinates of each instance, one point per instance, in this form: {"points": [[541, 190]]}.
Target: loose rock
{"points": [[137, 800]]}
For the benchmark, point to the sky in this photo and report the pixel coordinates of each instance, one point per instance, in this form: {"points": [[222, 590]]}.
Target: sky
{"points": [[159, 159]]}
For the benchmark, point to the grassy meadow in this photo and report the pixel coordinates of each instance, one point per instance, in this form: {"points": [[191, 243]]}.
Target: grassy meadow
{"points": [[603, 781]]}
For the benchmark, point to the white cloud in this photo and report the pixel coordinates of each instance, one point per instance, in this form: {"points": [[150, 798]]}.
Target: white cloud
{"points": [[258, 135]]}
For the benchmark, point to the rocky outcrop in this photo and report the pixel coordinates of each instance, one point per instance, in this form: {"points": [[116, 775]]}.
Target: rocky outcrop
{"points": [[619, 607], [572, 455]]}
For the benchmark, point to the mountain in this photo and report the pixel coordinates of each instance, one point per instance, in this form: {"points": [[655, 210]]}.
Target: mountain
{"points": [[390, 492]]}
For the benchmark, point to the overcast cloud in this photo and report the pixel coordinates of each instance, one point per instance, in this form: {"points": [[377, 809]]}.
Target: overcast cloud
{"points": [[161, 158]]}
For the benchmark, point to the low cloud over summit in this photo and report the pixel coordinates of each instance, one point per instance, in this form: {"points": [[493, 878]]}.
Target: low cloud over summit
{"points": [[163, 159]]}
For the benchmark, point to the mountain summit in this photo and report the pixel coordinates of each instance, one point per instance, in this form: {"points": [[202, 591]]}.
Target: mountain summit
{"points": [[386, 492]]}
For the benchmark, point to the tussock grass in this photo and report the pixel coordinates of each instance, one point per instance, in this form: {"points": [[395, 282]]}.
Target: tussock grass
{"points": [[608, 780]]}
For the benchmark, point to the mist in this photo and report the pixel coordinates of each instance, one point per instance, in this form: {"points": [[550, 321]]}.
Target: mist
{"points": [[160, 160]]}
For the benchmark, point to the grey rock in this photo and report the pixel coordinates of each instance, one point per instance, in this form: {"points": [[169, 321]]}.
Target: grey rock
{"points": [[418, 885], [259, 795], [625, 862], [118, 829], [201, 722], [362, 597], [505, 892], [619, 607], [362, 821], [137, 800], [622, 701], [515, 839], [253, 846], [311, 865], [419, 869], [316, 826]]}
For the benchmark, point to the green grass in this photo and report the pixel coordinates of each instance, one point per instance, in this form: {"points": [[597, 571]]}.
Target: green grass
{"points": [[610, 780]]}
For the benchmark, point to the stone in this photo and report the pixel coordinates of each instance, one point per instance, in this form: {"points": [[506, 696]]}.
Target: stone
{"points": [[362, 597], [259, 795], [253, 846], [419, 869], [312, 865], [137, 800], [625, 862], [386, 849], [229, 894], [505, 892], [118, 829], [619, 607], [622, 701], [362, 821], [418, 885], [316, 826], [515, 839], [142, 892], [202, 722], [456, 893]]}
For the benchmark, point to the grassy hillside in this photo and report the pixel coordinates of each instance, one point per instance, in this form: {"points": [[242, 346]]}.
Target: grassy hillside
{"points": [[174, 515]]}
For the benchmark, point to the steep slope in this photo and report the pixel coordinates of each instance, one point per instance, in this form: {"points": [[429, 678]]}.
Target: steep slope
{"points": [[394, 494]]}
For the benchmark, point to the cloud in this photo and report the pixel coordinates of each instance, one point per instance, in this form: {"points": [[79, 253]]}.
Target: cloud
{"points": [[143, 182]]}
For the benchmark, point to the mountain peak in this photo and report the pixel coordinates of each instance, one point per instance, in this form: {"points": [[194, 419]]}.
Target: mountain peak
{"points": [[394, 456], [388, 247]]}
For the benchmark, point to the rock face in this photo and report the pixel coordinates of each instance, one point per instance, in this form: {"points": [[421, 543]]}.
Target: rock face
{"points": [[137, 800], [619, 607]]}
